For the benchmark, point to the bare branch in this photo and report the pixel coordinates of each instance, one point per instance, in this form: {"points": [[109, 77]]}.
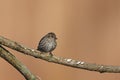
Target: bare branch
{"points": [[5, 54], [59, 60]]}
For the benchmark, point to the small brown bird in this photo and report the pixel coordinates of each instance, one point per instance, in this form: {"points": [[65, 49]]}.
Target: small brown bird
{"points": [[47, 43]]}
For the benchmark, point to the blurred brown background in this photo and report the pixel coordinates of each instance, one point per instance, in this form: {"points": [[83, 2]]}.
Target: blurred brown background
{"points": [[88, 30]]}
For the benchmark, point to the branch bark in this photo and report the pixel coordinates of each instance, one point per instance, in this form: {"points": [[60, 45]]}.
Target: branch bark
{"points": [[59, 60], [5, 54]]}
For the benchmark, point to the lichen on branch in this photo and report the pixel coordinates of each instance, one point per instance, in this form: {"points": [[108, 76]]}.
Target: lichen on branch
{"points": [[59, 60]]}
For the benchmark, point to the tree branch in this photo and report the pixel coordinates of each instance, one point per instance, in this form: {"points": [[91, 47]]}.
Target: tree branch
{"points": [[5, 54], [59, 60]]}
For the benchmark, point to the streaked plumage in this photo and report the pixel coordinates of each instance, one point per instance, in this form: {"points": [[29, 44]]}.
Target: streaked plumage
{"points": [[47, 43]]}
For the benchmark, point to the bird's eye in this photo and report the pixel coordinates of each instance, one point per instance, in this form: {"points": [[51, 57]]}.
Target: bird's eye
{"points": [[51, 36]]}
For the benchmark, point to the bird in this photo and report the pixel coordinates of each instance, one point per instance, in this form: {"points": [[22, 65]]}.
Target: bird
{"points": [[47, 43]]}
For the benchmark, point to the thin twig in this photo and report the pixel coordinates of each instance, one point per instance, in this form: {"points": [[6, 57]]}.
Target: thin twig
{"points": [[5, 54], [59, 60]]}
